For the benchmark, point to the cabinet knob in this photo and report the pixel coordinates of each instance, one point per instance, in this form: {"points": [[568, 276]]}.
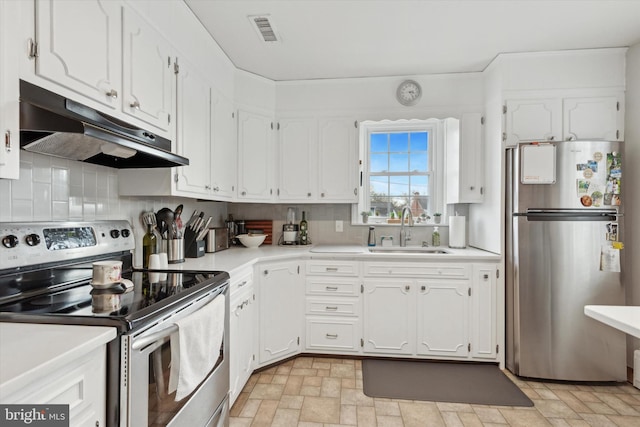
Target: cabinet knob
{"points": [[308, 194], [486, 277], [551, 138], [135, 105], [407, 287], [321, 194], [423, 288], [244, 193], [472, 188], [112, 94]]}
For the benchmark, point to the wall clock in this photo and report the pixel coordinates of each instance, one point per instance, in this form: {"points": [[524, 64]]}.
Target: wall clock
{"points": [[409, 92]]}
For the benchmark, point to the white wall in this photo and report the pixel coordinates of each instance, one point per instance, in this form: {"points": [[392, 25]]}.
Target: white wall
{"points": [[632, 189]]}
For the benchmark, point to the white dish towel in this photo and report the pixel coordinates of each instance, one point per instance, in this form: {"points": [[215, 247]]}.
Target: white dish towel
{"points": [[196, 348]]}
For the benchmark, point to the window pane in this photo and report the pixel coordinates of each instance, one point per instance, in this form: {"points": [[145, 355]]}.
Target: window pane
{"points": [[399, 186], [398, 162], [420, 184], [379, 142], [419, 162], [379, 162], [379, 185], [418, 141], [399, 142]]}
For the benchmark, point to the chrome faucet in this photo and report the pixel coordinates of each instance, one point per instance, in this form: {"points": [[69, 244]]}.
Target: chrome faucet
{"points": [[403, 233]]}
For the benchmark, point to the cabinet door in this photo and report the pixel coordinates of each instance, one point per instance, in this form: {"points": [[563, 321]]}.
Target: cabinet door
{"points": [[389, 316], [281, 312], [148, 76], [533, 120], [194, 131], [483, 312], [79, 47], [443, 318], [337, 160], [224, 147], [464, 159], [296, 147], [255, 156], [593, 118], [9, 109], [241, 327]]}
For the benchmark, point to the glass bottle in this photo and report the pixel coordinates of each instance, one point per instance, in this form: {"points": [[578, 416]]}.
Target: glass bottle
{"points": [[304, 230], [148, 245], [371, 241], [435, 237]]}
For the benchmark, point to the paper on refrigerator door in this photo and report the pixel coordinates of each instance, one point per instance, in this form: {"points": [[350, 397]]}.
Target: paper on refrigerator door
{"points": [[609, 259]]}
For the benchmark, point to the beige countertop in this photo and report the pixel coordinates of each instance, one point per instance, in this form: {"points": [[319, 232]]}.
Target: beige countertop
{"points": [[238, 257], [30, 351]]}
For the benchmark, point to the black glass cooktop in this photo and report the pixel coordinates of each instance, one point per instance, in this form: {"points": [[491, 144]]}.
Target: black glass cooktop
{"points": [[153, 292]]}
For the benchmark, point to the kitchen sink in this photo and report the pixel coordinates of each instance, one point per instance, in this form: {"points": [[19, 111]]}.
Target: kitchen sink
{"points": [[407, 250]]}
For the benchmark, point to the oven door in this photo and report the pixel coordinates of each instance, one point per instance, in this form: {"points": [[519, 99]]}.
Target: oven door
{"points": [[145, 367]]}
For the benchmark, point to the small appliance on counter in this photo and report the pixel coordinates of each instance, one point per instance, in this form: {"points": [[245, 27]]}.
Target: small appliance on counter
{"points": [[217, 239], [289, 229]]}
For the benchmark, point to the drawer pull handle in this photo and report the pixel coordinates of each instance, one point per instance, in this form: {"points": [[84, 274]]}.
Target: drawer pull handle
{"points": [[242, 284], [332, 269], [331, 308], [331, 288], [332, 336]]}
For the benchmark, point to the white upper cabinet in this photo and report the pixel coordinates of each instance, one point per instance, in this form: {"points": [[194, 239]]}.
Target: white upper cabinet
{"points": [[565, 118], [148, 75], [193, 138], [224, 145], [297, 142], [464, 159], [9, 110], [79, 47], [533, 120], [594, 118], [318, 160], [337, 160], [256, 158]]}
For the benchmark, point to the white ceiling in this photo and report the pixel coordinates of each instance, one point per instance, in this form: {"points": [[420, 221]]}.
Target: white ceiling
{"points": [[321, 39]]}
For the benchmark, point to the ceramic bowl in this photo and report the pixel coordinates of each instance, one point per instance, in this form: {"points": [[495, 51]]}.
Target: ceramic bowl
{"points": [[251, 240]]}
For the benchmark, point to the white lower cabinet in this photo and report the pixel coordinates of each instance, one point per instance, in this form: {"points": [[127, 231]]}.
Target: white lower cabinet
{"points": [[81, 384], [280, 295], [389, 316], [333, 307], [443, 318], [241, 332], [439, 310]]}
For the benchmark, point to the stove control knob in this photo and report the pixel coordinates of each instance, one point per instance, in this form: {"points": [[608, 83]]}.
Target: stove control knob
{"points": [[10, 241], [115, 233], [125, 233], [33, 239]]}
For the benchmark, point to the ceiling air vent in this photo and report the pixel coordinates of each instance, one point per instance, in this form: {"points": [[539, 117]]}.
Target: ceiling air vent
{"points": [[263, 26]]}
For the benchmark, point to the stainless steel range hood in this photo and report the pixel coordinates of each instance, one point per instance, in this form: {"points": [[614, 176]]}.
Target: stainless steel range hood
{"points": [[54, 125]]}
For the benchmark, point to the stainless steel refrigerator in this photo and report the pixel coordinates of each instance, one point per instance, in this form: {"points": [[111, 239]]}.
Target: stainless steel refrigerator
{"points": [[564, 233]]}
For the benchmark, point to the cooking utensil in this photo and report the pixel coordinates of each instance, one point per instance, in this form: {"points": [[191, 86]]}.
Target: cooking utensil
{"points": [[165, 220], [177, 219], [204, 229]]}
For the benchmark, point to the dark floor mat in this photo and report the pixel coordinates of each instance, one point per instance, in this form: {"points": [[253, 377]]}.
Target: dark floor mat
{"points": [[475, 383]]}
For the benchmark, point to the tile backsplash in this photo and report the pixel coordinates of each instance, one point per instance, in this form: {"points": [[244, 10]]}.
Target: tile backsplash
{"points": [[55, 189]]}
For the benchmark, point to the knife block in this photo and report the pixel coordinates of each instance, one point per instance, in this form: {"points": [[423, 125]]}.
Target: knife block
{"points": [[196, 250], [193, 248]]}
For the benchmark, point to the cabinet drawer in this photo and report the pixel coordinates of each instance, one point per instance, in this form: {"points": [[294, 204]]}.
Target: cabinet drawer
{"points": [[406, 269], [333, 268], [241, 281], [332, 286], [338, 334], [336, 306]]}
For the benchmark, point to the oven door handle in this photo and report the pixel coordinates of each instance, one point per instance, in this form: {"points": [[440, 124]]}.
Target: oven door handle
{"points": [[152, 338]]}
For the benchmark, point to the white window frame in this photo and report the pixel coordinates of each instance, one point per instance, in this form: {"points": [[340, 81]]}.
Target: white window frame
{"points": [[435, 128]]}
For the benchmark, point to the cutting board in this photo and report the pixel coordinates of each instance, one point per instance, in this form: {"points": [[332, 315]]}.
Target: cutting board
{"points": [[264, 226]]}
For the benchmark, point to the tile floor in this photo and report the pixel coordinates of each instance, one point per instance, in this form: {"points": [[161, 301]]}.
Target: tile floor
{"points": [[324, 392]]}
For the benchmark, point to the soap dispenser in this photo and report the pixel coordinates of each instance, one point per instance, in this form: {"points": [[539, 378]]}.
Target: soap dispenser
{"points": [[372, 236], [435, 237]]}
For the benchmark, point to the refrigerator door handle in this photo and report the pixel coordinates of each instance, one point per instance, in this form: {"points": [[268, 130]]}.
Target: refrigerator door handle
{"points": [[539, 215]]}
